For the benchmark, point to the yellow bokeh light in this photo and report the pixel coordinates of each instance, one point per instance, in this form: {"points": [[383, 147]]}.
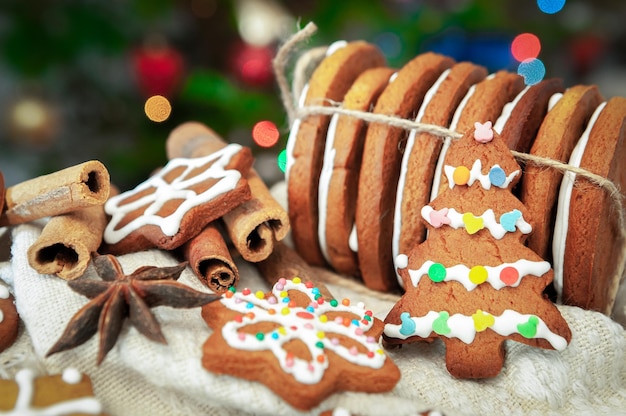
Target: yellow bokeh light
{"points": [[158, 108]]}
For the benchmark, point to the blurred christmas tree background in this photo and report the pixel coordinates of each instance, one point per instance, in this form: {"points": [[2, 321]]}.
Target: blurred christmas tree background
{"points": [[75, 75]]}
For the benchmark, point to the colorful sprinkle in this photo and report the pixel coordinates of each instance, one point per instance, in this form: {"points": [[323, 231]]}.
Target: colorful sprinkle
{"points": [[509, 275], [482, 320], [483, 132], [478, 275], [246, 291], [296, 280], [259, 294], [408, 325], [529, 329], [439, 217], [472, 224], [345, 302], [323, 318], [284, 311], [461, 175], [497, 176], [440, 324], [334, 303], [260, 336], [508, 220], [304, 315], [320, 358], [437, 272]]}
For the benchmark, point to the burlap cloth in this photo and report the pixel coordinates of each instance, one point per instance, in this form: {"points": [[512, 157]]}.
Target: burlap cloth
{"points": [[140, 377]]}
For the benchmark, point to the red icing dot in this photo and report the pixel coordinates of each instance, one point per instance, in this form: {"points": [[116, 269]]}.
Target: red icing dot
{"points": [[304, 315], [365, 321], [320, 300], [370, 354], [509, 275], [239, 318], [320, 359], [308, 284], [368, 313], [246, 291], [292, 304]]}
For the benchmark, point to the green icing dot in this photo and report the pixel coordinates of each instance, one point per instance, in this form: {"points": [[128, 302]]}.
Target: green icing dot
{"points": [[233, 289], [260, 336], [367, 318], [319, 344], [437, 272], [440, 325], [528, 329], [334, 303]]}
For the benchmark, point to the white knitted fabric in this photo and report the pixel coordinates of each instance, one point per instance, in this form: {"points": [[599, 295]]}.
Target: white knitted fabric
{"points": [[142, 377]]}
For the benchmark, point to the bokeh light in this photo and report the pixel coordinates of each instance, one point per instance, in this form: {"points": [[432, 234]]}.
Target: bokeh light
{"points": [[550, 6], [282, 160], [525, 46], [265, 133], [533, 71], [157, 108]]}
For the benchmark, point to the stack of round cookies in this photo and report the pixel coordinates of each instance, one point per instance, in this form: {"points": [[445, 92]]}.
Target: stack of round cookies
{"points": [[356, 188]]}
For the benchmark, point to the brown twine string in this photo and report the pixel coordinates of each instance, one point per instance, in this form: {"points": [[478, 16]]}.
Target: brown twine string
{"points": [[280, 68]]}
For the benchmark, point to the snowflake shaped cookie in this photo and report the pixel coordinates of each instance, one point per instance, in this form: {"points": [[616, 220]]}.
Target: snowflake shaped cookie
{"points": [[177, 202], [302, 346]]}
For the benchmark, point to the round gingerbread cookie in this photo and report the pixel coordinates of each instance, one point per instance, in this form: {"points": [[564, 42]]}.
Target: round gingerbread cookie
{"points": [[338, 182], [422, 151], [9, 319], [380, 168], [588, 239], [520, 119], [330, 81], [557, 136]]}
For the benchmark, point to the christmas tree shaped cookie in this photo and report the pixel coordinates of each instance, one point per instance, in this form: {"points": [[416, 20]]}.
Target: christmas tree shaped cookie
{"points": [[473, 283]]}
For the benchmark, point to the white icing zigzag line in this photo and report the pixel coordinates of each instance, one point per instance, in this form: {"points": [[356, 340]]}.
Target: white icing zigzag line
{"points": [[164, 191], [477, 175], [25, 380], [460, 273], [489, 221], [463, 327], [304, 324]]}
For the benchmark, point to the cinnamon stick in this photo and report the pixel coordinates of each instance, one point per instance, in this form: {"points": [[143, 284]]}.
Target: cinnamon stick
{"points": [[66, 190], [67, 241], [285, 262], [253, 226], [210, 260]]}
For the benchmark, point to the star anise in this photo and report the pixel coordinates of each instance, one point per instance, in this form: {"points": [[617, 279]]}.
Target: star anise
{"points": [[118, 296]]}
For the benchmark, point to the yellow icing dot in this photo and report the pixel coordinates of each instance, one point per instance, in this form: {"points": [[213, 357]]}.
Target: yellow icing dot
{"points": [[259, 294], [478, 275], [380, 352], [461, 175], [323, 318], [282, 330], [321, 334], [482, 320], [283, 294], [472, 224], [284, 311], [296, 280]]}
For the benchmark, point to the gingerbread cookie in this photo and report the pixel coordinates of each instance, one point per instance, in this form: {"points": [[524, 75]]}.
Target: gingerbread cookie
{"points": [[588, 243], [380, 168], [344, 62], [9, 319], [69, 393], [304, 347], [339, 178], [520, 119], [422, 151], [178, 201], [473, 283], [559, 131]]}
